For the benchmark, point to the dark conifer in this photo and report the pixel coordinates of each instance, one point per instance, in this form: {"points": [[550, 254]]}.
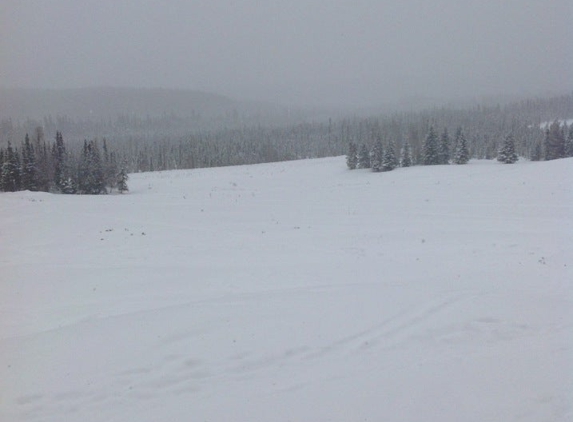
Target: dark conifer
{"points": [[363, 157], [109, 166], [377, 156], [122, 178], [537, 153], [29, 169], [461, 152], [554, 142], [444, 148], [507, 154], [45, 170], [90, 174], [59, 158], [431, 148], [10, 175], [569, 142], [389, 162], [406, 159], [352, 156]]}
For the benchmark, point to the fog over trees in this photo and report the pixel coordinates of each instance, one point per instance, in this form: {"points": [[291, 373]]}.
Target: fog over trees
{"points": [[87, 153]]}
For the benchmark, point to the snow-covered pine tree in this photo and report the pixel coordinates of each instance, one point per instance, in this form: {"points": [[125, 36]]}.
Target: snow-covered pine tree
{"points": [[406, 159], [91, 175], [352, 156], [444, 148], [110, 167], [29, 170], [45, 170], [431, 148], [377, 156], [554, 142], [461, 152], [507, 154], [96, 171], [569, 142], [122, 178], [389, 162], [363, 157], [10, 174], [537, 153]]}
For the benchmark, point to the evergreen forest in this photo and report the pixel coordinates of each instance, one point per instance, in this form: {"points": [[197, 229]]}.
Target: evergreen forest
{"points": [[97, 155]]}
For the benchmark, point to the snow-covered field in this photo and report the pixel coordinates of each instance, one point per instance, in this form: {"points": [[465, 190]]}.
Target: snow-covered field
{"points": [[296, 291]]}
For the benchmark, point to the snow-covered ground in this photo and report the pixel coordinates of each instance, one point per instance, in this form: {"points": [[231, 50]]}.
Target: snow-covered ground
{"points": [[545, 125], [297, 291]]}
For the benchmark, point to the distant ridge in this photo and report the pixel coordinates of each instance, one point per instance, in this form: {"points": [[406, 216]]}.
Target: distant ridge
{"points": [[106, 102]]}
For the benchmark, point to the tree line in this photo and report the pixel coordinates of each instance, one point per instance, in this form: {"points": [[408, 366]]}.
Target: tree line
{"points": [[40, 166], [436, 150], [383, 141]]}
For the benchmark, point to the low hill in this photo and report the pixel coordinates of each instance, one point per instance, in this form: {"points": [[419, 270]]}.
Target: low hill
{"points": [[107, 102]]}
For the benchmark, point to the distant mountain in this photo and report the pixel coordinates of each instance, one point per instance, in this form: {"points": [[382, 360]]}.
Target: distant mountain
{"points": [[106, 102]]}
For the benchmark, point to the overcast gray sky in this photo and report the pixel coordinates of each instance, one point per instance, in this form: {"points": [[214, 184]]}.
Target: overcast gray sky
{"points": [[359, 52]]}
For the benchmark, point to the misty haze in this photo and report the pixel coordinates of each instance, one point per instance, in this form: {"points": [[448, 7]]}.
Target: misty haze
{"points": [[344, 53]]}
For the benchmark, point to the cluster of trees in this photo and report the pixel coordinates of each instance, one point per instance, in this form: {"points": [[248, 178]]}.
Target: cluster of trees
{"points": [[39, 166], [382, 141], [436, 150], [558, 143]]}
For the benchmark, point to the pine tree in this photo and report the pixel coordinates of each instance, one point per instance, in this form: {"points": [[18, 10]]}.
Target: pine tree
{"points": [[569, 143], [91, 175], [507, 154], [461, 153], [406, 159], [389, 162], [45, 170], [10, 175], [431, 148], [363, 157], [59, 158], [554, 142], [109, 166], [351, 157], [122, 178], [444, 148], [29, 169], [537, 153], [377, 156]]}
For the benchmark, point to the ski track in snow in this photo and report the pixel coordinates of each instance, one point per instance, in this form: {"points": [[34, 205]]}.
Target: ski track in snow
{"points": [[292, 291]]}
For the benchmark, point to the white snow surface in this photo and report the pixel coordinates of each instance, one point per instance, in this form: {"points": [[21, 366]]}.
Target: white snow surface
{"points": [[295, 291], [545, 125]]}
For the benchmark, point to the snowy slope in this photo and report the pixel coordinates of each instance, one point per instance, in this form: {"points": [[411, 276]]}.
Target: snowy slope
{"points": [[296, 291]]}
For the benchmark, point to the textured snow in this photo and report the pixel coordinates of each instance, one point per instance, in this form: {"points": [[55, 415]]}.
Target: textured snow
{"points": [[297, 291]]}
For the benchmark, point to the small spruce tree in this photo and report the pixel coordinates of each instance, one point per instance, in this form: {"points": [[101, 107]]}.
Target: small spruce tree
{"points": [[352, 156], [537, 153], [29, 169], [363, 157], [444, 148], [569, 142], [461, 153], [10, 174], [389, 162], [431, 156], [122, 178], [554, 142], [377, 156], [507, 154], [406, 159]]}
